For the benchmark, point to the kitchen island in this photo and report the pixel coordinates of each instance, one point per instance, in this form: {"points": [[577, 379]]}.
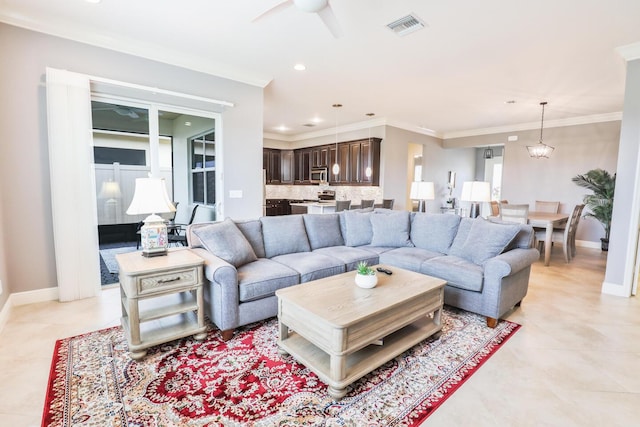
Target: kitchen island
{"points": [[321, 207]]}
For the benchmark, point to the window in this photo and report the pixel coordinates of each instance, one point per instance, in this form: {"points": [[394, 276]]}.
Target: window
{"points": [[203, 169], [124, 156]]}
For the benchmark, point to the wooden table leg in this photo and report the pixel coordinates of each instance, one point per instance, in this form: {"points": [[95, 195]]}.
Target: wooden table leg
{"points": [[547, 243]]}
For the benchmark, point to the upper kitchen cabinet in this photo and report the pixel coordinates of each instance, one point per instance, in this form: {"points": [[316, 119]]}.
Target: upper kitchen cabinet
{"points": [[359, 162], [287, 167], [271, 163], [320, 157], [302, 163]]}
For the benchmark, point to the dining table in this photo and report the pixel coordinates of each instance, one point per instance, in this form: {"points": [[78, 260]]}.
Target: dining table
{"points": [[548, 221]]}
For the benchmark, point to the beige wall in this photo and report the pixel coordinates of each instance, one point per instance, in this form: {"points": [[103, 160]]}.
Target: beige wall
{"points": [[578, 149], [26, 225]]}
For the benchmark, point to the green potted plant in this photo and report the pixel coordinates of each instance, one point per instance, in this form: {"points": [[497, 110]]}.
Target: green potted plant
{"points": [[600, 203], [366, 276]]}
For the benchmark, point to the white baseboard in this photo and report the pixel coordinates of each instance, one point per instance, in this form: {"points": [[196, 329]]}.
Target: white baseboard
{"points": [[30, 297], [588, 244], [5, 313], [615, 290]]}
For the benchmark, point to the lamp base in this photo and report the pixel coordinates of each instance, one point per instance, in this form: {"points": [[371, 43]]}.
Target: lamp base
{"points": [[474, 210], [422, 206], [153, 236]]}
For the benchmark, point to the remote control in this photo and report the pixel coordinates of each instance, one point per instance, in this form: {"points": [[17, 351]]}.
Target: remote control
{"points": [[385, 271]]}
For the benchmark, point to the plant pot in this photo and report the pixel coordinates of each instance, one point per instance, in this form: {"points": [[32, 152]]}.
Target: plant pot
{"points": [[604, 244], [367, 281]]}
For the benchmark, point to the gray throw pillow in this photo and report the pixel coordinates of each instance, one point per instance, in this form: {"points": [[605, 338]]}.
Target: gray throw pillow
{"points": [[487, 239], [434, 232], [323, 230], [226, 241], [252, 230], [391, 230], [284, 234], [461, 237], [356, 227]]}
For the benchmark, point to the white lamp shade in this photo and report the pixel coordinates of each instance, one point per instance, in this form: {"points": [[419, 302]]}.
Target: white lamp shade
{"points": [[150, 197], [422, 190], [476, 191], [110, 190]]}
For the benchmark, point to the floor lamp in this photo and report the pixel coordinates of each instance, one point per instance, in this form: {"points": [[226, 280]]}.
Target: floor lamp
{"points": [[475, 192], [422, 191]]}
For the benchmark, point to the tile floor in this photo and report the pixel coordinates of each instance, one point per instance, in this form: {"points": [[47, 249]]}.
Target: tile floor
{"points": [[575, 361]]}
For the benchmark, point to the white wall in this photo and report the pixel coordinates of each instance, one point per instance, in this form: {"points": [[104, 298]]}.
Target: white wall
{"points": [[24, 149]]}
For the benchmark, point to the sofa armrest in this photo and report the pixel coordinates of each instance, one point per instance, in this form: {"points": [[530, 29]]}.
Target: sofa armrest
{"points": [[216, 269], [510, 262]]}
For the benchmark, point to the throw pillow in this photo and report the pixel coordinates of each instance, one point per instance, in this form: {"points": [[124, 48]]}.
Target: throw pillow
{"points": [[252, 230], [323, 230], [434, 232], [356, 228], [487, 239], [391, 230], [226, 241], [284, 234], [461, 237]]}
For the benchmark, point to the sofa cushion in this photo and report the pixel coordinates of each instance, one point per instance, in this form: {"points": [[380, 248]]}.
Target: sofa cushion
{"points": [[458, 272], [284, 235], [434, 232], [252, 230], [311, 265], [225, 240], [323, 230], [349, 256], [391, 229], [407, 258], [356, 227], [262, 278], [375, 249], [461, 237], [487, 239]]}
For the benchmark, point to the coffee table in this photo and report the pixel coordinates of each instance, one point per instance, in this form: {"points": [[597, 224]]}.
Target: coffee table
{"points": [[342, 332]]}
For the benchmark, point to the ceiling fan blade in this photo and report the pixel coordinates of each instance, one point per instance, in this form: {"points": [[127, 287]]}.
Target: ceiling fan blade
{"points": [[275, 9], [330, 20]]}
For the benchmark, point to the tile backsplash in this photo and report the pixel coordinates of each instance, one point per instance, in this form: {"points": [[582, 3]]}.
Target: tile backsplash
{"points": [[353, 193]]}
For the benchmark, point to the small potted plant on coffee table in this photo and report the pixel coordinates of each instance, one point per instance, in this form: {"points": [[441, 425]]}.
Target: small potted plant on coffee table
{"points": [[366, 276]]}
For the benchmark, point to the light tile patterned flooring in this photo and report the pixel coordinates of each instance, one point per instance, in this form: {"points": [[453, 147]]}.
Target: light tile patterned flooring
{"points": [[575, 361]]}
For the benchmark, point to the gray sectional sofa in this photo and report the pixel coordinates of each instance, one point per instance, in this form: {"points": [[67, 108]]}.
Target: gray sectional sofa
{"points": [[486, 264]]}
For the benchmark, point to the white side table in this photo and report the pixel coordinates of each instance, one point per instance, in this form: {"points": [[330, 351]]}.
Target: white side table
{"points": [[161, 298]]}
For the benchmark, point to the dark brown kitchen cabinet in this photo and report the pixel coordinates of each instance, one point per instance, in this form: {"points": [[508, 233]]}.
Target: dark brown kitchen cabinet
{"points": [[271, 163], [320, 156], [287, 167], [302, 161]]}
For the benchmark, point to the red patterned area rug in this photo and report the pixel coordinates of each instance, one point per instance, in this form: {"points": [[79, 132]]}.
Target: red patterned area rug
{"points": [[246, 382]]}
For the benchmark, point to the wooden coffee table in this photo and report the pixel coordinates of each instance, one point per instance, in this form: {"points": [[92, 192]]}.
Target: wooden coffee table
{"points": [[342, 332]]}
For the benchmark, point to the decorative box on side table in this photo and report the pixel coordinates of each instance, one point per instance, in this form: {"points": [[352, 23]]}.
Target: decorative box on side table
{"points": [[161, 298]]}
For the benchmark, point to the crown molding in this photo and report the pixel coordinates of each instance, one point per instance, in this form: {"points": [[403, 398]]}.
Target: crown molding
{"points": [[573, 121], [629, 52], [142, 50]]}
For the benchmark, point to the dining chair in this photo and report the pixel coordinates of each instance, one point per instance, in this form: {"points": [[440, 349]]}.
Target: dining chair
{"points": [[366, 203], [387, 203], [564, 235], [176, 233], [514, 213], [342, 205], [495, 208], [550, 207]]}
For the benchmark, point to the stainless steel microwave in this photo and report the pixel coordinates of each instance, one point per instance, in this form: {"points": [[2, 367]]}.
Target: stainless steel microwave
{"points": [[318, 175]]}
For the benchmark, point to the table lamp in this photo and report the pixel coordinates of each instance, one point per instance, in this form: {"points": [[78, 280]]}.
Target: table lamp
{"points": [[150, 197], [475, 192], [422, 191], [110, 190]]}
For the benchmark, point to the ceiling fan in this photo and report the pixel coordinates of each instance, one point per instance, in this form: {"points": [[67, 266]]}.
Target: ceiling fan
{"points": [[121, 110], [320, 7]]}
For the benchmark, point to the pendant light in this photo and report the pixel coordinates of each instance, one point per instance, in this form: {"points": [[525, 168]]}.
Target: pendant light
{"points": [[488, 153], [540, 150], [368, 171], [336, 166]]}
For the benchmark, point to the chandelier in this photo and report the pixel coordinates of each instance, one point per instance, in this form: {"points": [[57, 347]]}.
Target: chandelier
{"points": [[540, 150]]}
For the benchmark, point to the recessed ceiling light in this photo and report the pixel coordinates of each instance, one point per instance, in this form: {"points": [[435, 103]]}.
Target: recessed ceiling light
{"points": [[299, 67], [187, 123], [282, 128], [316, 120], [511, 101]]}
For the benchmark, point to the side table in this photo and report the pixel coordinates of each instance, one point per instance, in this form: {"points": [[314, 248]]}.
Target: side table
{"points": [[161, 298]]}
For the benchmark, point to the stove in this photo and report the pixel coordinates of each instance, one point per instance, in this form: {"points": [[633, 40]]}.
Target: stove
{"points": [[326, 195]]}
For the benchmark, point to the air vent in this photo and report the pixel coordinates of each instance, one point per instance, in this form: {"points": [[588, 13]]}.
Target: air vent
{"points": [[406, 25], [309, 125]]}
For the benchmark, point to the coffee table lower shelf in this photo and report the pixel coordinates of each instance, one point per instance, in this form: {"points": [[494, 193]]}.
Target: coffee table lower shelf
{"points": [[360, 362]]}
